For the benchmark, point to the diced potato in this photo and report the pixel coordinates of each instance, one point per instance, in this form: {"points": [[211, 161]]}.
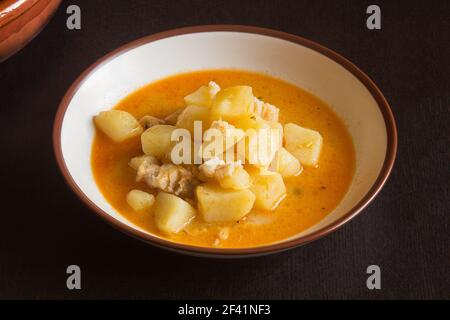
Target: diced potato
{"points": [[172, 213], [201, 97], [222, 205], [233, 103], [184, 151], [304, 144], [259, 123], [140, 200], [156, 141], [239, 180], [268, 187], [191, 114], [118, 125], [286, 164], [278, 128], [204, 96], [262, 141], [246, 123]]}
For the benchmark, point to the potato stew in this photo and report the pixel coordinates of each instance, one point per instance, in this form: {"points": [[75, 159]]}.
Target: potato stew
{"points": [[222, 158]]}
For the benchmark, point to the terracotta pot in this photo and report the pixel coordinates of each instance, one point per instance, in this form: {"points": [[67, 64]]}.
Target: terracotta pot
{"points": [[21, 21]]}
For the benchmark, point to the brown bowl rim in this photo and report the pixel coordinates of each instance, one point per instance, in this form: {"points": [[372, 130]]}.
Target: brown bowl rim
{"points": [[233, 252]]}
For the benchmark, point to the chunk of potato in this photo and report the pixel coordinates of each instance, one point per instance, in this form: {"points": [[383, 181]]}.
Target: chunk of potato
{"points": [[204, 96], [222, 205], [118, 125], [268, 187], [277, 127], [233, 103], [156, 141], [140, 200], [286, 164], [247, 123], [262, 141], [304, 144], [239, 180], [191, 114], [172, 213]]}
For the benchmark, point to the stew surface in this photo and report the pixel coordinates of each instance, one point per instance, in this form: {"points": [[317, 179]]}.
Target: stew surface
{"points": [[310, 196]]}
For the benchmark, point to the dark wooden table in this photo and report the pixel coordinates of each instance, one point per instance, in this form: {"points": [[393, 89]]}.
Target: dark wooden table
{"points": [[406, 230]]}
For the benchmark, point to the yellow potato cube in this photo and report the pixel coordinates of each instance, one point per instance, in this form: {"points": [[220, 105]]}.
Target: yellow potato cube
{"points": [[172, 213], [247, 123], [262, 141], [140, 200], [233, 103], [304, 144], [239, 180], [222, 205], [268, 188], [277, 127], [286, 164], [156, 141], [191, 114], [118, 125], [204, 96]]}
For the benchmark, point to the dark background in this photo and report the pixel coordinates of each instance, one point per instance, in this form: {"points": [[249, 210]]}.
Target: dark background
{"points": [[406, 230]]}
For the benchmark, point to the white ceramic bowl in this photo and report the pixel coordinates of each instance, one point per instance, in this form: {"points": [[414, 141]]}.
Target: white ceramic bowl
{"points": [[352, 95]]}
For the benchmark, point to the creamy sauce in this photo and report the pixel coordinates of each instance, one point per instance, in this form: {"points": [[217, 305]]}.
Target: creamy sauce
{"points": [[311, 196]]}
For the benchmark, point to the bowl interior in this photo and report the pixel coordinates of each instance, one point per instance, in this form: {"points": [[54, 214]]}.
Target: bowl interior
{"points": [[126, 71]]}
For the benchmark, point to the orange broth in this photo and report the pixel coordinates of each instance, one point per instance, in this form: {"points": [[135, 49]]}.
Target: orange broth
{"points": [[310, 196]]}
